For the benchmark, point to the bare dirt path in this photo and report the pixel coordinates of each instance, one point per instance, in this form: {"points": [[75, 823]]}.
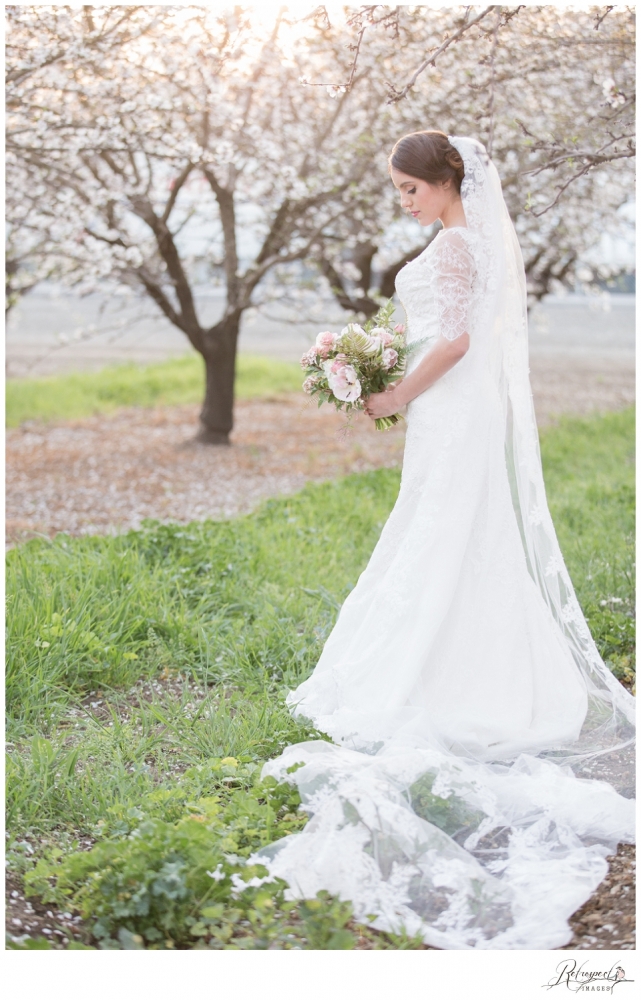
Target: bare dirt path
{"points": [[108, 473]]}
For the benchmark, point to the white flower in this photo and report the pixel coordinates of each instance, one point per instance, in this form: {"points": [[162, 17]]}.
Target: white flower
{"points": [[344, 383], [217, 874], [352, 328]]}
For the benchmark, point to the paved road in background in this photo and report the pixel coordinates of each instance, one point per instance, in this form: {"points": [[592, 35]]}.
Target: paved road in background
{"points": [[51, 332]]}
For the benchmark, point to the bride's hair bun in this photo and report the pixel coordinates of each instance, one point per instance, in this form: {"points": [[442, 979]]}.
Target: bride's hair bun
{"points": [[455, 161], [429, 156]]}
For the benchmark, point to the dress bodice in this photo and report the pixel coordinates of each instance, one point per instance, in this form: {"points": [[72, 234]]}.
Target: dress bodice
{"points": [[441, 288]]}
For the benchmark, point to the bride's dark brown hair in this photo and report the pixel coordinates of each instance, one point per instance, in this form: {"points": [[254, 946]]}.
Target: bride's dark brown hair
{"points": [[429, 156]]}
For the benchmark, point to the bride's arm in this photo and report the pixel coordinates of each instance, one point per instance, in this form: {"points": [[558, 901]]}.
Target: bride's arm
{"points": [[443, 356], [454, 268]]}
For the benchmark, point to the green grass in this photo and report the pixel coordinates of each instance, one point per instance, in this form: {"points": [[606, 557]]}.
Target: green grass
{"points": [[590, 478], [181, 380], [235, 613]]}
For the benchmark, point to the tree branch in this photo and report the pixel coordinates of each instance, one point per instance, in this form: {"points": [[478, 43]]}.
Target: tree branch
{"points": [[226, 207], [117, 242], [398, 95], [175, 190], [364, 304], [155, 291], [253, 275], [167, 248], [343, 88], [599, 19], [281, 230]]}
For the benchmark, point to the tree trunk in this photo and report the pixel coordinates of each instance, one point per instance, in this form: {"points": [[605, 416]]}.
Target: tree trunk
{"points": [[217, 414]]}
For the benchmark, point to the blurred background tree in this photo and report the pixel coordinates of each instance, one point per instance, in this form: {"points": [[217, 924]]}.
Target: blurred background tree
{"points": [[168, 147], [550, 92]]}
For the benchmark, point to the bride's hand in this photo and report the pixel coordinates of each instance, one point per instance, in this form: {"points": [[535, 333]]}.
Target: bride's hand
{"points": [[383, 404]]}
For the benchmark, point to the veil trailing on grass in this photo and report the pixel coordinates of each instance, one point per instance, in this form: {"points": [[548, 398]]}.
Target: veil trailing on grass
{"points": [[468, 701]]}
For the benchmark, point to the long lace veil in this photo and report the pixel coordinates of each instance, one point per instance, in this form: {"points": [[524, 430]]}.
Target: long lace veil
{"points": [[609, 724]]}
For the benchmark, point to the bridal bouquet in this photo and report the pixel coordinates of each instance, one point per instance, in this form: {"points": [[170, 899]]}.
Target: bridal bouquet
{"points": [[345, 368]]}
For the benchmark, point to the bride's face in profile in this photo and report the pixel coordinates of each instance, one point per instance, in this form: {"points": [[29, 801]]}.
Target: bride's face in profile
{"points": [[425, 202]]}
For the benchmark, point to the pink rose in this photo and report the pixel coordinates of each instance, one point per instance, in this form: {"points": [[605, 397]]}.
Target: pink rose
{"points": [[386, 338], [399, 328], [390, 357], [325, 341]]}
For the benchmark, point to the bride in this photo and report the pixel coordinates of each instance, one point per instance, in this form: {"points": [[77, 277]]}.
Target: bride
{"points": [[461, 687]]}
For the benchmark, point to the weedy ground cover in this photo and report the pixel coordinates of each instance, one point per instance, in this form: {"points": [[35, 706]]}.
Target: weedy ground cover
{"points": [[180, 380], [145, 687]]}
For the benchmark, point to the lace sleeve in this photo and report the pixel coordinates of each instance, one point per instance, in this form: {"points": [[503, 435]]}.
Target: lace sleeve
{"points": [[454, 274]]}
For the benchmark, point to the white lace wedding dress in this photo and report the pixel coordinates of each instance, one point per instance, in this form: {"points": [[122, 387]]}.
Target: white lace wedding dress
{"points": [[460, 685]]}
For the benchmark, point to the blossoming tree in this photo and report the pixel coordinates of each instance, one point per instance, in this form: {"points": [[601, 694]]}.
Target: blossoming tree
{"points": [[550, 92], [167, 146], [204, 134]]}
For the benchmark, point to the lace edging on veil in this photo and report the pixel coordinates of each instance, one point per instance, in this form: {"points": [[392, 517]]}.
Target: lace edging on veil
{"points": [[609, 724]]}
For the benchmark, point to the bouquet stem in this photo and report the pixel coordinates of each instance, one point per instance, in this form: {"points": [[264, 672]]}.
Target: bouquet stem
{"points": [[384, 423]]}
